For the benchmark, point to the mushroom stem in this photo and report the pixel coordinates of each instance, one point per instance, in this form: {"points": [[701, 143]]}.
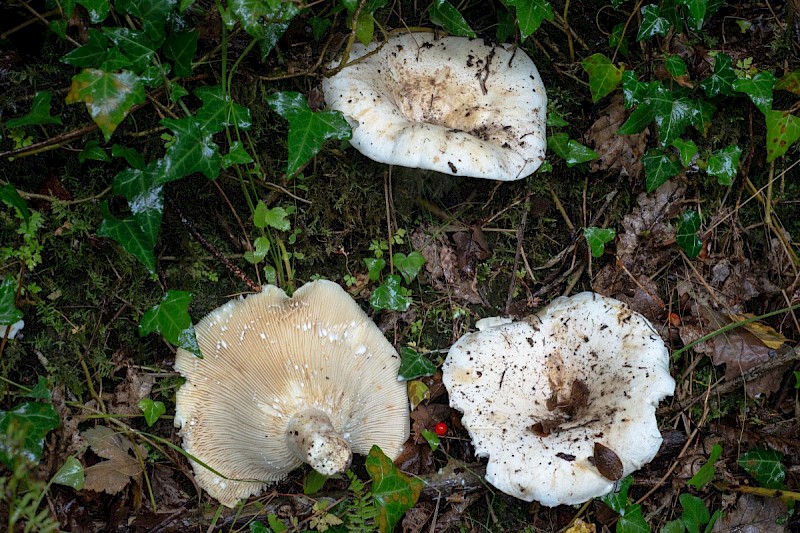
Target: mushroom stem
{"points": [[312, 438]]}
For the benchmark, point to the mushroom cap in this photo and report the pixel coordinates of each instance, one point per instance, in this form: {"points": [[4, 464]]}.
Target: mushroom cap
{"points": [[507, 379], [268, 357], [454, 105]]}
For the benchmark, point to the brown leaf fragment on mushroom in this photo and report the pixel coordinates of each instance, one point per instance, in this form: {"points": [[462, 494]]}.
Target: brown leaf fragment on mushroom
{"points": [[113, 475], [543, 428], [607, 462], [753, 515], [621, 153]]}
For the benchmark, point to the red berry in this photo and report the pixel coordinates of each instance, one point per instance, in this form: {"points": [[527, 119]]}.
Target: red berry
{"points": [[440, 429]]}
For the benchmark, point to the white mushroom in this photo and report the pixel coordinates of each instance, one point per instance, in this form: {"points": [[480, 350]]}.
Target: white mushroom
{"points": [[564, 402], [452, 104], [285, 381]]}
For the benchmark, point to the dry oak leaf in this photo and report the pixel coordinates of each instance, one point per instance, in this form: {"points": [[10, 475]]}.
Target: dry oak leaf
{"points": [[113, 475], [618, 152]]}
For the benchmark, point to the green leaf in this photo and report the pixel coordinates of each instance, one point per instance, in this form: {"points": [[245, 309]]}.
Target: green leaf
{"points": [[636, 92], [673, 526], [706, 473], [554, 120], [570, 150], [431, 438], [193, 150], [28, 424], [530, 14], [618, 500], [313, 482], [9, 195], [264, 217], [724, 164], [237, 155], [686, 237], [652, 23], [135, 45], [783, 130], [9, 313], [695, 513], [90, 55], [696, 12], [93, 151], [414, 365], [219, 111], [659, 167], [98, 9], [597, 238], [632, 521], [393, 491], [152, 410], [258, 527], [408, 265], [617, 39], [319, 26], [130, 236], [262, 246], [171, 319], [675, 65], [721, 81], [180, 48], [638, 120], [374, 267], [152, 13], [442, 13], [70, 474], [687, 148], [506, 24], [673, 114], [109, 97], [789, 82], [308, 130], [264, 20], [41, 391], [390, 295], [365, 27], [765, 466], [758, 88], [276, 524], [604, 76], [704, 113], [40, 113], [132, 156]]}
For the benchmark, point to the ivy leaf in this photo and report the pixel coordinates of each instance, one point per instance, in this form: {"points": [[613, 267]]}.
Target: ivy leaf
{"points": [[144, 190], [9, 195], [109, 97], [9, 313], [431, 438], [706, 473], [789, 82], [40, 113], [724, 164], [414, 365], [652, 23], [313, 482], [554, 120], [93, 151], [134, 44], [393, 491], [506, 24], [695, 513], [193, 150], [765, 466], [597, 238], [704, 113], [759, 89], [688, 149], [638, 120], [90, 55], [686, 237], [28, 423], [604, 76], [152, 410], [530, 14], [170, 317], [417, 393], [390, 295], [570, 150], [70, 474], [152, 13], [618, 500], [659, 167], [631, 520], [180, 48], [220, 111], [442, 13], [408, 265], [98, 9], [696, 12], [721, 81], [264, 20], [673, 114], [675, 65], [617, 39], [237, 155], [132, 156], [365, 27], [783, 129], [129, 235], [308, 130], [374, 267], [41, 391], [276, 217], [636, 92]]}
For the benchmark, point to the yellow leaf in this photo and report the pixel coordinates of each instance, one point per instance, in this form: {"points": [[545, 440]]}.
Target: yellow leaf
{"points": [[581, 527], [766, 334], [417, 392]]}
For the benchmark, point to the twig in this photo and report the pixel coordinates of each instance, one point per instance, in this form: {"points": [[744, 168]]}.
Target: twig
{"points": [[520, 235], [238, 272], [48, 144]]}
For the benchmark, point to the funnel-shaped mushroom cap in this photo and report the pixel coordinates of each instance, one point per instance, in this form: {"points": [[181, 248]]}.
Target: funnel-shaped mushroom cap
{"points": [[452, 104], [540, 396], [285, 381]]}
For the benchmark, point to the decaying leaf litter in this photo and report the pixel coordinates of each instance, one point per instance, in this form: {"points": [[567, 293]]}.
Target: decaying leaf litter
{"points": [[730, 432]]}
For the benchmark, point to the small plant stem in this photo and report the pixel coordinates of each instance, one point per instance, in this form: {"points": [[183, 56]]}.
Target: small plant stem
{"points": [[520, 238], [48, 144], [634, 11], [387, 180], [785, 495], [733, 325], [90, 384], [561, 209], [568, 32], [768, 198]]}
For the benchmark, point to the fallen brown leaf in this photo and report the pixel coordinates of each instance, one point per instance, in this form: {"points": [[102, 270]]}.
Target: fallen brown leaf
{"points": [[753, 515], [113, 475], [621, 153]]}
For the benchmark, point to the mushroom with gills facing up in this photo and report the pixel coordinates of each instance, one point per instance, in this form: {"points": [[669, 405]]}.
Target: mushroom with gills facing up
{"points": [[563, 403], [452, 104], [286, 381]]}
